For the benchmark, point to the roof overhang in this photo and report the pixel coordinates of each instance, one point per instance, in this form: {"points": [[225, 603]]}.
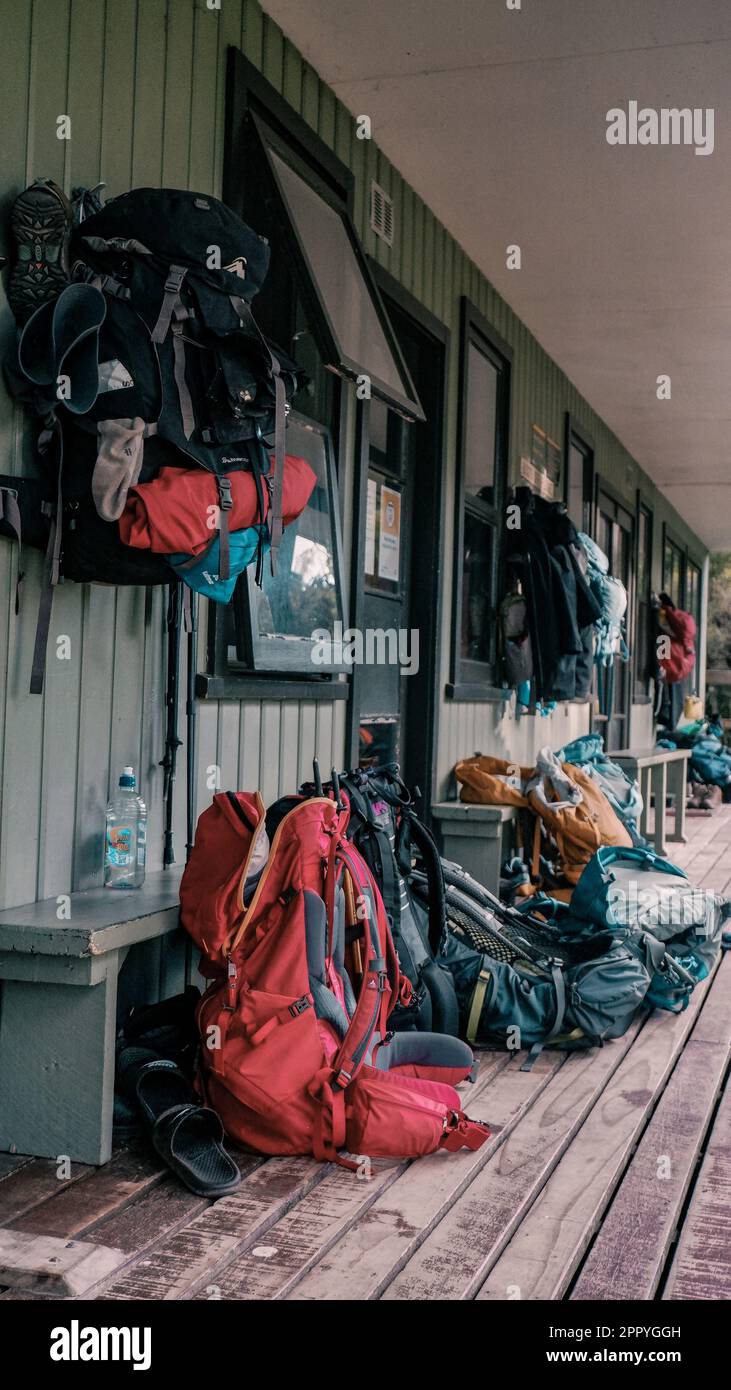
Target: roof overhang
{"points": [[498, 119]]}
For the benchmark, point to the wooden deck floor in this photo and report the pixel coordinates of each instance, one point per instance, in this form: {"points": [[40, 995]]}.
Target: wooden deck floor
{"points": [[608, 1176]]}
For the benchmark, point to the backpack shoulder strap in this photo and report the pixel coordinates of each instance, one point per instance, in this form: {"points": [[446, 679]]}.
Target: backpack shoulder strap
{"points": [[427, 847]]}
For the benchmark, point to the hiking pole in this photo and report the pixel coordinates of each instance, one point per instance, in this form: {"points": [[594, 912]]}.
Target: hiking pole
{"points": [[339, 803], [172, 742], [316, 777], [190, 604]]}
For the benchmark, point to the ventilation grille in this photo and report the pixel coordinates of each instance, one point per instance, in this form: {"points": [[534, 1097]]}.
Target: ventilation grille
{"points": [[381, 213]]}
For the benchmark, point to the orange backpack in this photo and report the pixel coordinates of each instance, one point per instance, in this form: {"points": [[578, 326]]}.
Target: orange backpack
{"points": [[492, 781], [579, 831]]}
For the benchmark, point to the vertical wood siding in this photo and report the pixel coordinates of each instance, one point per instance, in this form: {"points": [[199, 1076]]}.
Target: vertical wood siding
{"points": [[144, 84]]}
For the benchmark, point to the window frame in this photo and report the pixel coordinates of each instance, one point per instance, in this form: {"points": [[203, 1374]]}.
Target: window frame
{"points": [[641, 688], [248, 92], [670, 537], [290, 658], [576, 436], [472, 680], [405, 402]]}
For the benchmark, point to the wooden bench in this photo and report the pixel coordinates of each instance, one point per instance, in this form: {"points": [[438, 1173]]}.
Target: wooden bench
{"points": [[60, 962], [659, 772], [472, 836]]}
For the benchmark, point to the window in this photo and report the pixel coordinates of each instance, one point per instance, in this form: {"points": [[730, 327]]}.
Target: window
{"points": [[271, 628], [682, 580], [320, 305], [579, 494], [673, 571], [693, 595], [354, 333], [484, 429], [644, 656]]}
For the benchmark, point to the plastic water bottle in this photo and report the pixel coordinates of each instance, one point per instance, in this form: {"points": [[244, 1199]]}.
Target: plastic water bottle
{"points": [[125, 844]]}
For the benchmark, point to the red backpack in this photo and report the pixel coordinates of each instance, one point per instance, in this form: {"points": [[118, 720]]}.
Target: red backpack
{"points": [[681, 660], [295, 1055]]}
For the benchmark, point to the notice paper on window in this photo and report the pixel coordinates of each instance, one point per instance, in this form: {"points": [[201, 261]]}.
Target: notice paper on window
{"points": [[389, 541]]}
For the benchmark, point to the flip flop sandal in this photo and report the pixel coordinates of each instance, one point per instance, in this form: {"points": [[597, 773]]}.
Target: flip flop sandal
{"points": [[187, 1135]]}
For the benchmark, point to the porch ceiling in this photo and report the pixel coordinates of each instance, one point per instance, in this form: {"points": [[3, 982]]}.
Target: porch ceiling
{"points": [[497, 118]]}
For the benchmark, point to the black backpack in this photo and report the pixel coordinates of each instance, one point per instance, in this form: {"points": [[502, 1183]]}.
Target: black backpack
{"points": [[397, 847], [180, 357]]}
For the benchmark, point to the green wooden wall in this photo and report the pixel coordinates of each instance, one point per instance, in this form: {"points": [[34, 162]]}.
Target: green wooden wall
{"points": [[143, 82]]}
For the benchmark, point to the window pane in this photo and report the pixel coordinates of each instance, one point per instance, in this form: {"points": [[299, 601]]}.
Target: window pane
{"points": [[302, 595], [476, 585], [481, 424], [575, 495], [643, 556], [339, 279]]}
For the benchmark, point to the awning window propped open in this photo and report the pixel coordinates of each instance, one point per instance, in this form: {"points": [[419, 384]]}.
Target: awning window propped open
{"points": [[356, 336]]}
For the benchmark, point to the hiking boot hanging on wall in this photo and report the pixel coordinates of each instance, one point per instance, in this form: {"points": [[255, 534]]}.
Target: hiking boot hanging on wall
{"points": [[41, 222]]}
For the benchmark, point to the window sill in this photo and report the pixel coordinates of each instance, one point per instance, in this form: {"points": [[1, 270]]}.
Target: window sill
{"points": [[485, 694], [251, 687]]}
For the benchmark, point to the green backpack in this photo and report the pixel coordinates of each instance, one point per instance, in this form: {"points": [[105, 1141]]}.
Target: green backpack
{"points": [[521, 983]]}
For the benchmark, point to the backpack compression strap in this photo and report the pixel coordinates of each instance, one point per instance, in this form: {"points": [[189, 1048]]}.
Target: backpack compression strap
{"points": [[51, 436], [10, 515], [241, 308]]}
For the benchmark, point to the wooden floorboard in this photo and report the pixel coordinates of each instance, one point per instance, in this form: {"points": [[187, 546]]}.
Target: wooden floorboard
{"points": [[454, 1260], [378, 1246], [543, 1256], [701, 1267], [608, 1176], [631, 1249], [304, 1234]]}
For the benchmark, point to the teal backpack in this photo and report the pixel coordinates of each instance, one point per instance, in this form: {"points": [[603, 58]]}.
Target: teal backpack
{"points": [[524, 984], [609, 629], [622, 793], [649, 903]]}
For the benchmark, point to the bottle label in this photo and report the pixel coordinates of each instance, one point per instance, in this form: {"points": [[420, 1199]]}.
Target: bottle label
{"points": [[119, 846]]}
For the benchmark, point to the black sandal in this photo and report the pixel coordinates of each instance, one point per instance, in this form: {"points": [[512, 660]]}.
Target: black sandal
{"points": [[187, 1135]]}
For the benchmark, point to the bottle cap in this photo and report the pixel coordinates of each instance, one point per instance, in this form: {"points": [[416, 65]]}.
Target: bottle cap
{"points": [[127, 778]]}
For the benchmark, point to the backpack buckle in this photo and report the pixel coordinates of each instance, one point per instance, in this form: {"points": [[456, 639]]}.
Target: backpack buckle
{"points": [[300, 1006], [224, 494], [382, 981], [175, 279]]}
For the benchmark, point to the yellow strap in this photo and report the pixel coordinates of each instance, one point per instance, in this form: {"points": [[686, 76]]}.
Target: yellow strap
{"points": [[478, 999]]}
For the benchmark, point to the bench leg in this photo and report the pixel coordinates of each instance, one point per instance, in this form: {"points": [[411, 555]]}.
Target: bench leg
{"points": [[645, 780], [659, 787], [679, 775], [57, 1068]]}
